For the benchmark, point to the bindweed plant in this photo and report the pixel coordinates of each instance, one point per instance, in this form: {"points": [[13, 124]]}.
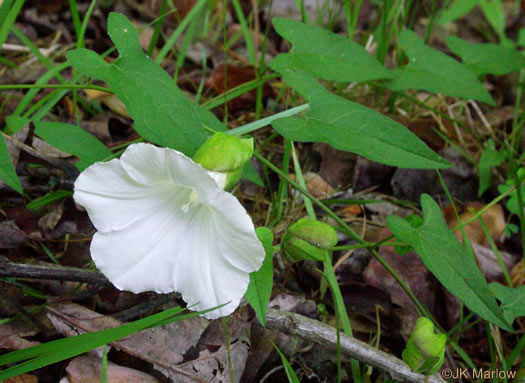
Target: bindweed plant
{"points": [[163, 207]]}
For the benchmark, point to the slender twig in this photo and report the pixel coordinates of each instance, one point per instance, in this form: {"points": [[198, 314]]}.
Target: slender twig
{"points": [[315, 331], [59, 273]]}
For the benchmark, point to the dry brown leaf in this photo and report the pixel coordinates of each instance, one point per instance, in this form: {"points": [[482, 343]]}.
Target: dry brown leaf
{"points": [[316, 185], [47, 150], [213, 367], [110, 100], [25, 378], [336, 165], [162, 346], [183, 7], [350, 211], [12, 336], [410, 268], [11, 235], [236, 323], [226, 77], [488, 261], [88, 369], [494, 219], [48, 222]]}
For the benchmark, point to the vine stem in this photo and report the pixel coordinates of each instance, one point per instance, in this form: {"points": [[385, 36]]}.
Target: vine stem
{"points": [[349, 231]]}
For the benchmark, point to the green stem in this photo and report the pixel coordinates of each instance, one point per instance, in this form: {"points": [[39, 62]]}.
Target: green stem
{"points": [[340, 308], [368, 245], [55, 86], [517, 128], [253, 126], [83, 27], [348, 231], [329, 274], [75, 16], [156, 30]]}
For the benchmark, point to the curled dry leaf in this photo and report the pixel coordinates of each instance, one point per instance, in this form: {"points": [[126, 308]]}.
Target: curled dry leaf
{"points": [[88, 369], [316, 185], [48, 222], [161, 346], [110, 100], [213, 367], [493, 218]]}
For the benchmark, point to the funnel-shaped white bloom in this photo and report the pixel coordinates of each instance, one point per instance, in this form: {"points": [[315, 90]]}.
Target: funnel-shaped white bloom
{"points": [[164, 225]]}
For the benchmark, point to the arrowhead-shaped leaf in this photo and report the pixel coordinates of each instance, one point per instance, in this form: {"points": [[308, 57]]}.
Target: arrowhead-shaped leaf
{"points": [[352, 127], [448, 260], [434, 71], [325, 55], [162, 113], [487, 58], [512, 300]]}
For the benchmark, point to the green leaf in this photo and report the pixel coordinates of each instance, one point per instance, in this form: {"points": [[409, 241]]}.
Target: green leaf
{"points": [[493, 12], [521, 37], [433, 71], [89, 63], [15, 123], [512, 202], [290, 373], [324, 54], [261, 281], [74, 140], [448, 260], [162, 113], [250, 174], [512, 300], [352, 127], [7, 170], [45, 200], [489, 159], [58, 350], [486, 58], [458, 9]]}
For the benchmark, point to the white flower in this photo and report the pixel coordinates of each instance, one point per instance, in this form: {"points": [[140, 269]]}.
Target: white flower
{"points": [[163, 224]]}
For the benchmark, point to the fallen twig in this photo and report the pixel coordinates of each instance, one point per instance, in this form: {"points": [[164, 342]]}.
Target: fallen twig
{"points": [[59, 273], [313, 330]]}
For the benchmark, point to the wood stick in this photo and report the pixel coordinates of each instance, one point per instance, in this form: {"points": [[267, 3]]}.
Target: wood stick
{"points": [[59, 273], [315, 331]]}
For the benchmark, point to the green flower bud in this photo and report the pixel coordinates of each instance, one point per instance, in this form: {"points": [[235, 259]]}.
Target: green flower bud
{"points": [[425, 350], [309, 240], [224, 157]]}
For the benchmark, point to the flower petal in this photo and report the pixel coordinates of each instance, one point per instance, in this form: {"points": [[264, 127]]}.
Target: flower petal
{"points": [[151, 165], [112, 199], [201, 254], [121, 192], [164, 225]]}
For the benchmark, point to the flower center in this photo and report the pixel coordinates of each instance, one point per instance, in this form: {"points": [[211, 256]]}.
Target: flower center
{"points": [[193, 201]]}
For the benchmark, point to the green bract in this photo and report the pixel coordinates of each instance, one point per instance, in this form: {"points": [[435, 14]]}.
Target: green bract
{"points": [[309, 240], [425, 350], [224, 157]]}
